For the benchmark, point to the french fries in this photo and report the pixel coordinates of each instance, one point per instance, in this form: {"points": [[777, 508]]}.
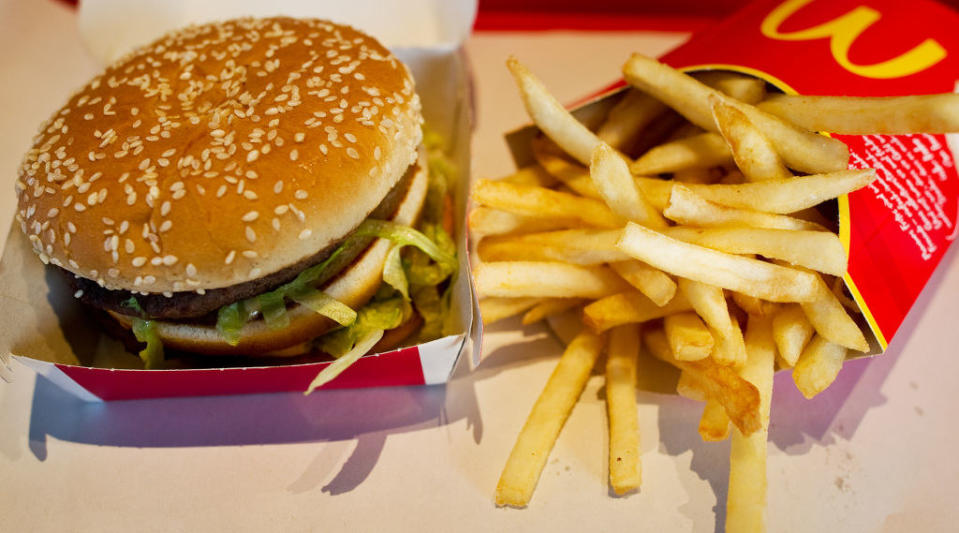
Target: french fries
{"points": [[549, 414], [718, 222], [802, 150], [741, 274]]}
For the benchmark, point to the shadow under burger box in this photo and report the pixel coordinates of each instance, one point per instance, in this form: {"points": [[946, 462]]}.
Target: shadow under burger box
{"points": [[49, 331]]}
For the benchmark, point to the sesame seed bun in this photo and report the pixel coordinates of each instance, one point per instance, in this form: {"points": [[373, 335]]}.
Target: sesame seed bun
{"points": [[219, 154], [354, 287]]}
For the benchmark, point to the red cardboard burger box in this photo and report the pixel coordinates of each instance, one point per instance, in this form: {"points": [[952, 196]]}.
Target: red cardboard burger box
{"points": [[896, 230]]}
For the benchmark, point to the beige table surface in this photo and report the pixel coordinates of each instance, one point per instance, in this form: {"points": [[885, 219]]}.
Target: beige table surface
{"points": [[873, 453]]}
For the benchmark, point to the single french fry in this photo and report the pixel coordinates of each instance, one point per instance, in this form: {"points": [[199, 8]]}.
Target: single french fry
{"points": [[755, 306], [569, 173], [857, 115], [531, 175], [652, 282], [549, 307], [754, 154], [687, 207], [495, 309], [484, 221], [783, 196], [579, 247], [792, 332], [690, 386], [614, 182], [746, 497], [531, 200], [817, 250], [730, 347], [628, 308], [802, 150], [818, 366], [714, 424], [628, 118], [546, 280], [625, 470], [546, 420], [830, 320], [688, 337], [698, 151], [746, 89], [551, 117], [739, 397], [741, 274]]}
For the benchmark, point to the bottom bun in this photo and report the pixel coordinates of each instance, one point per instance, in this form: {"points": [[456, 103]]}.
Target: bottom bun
{"points": [[354, 287]]}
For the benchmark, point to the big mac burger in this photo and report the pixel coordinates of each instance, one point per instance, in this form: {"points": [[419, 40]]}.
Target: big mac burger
{"points": [[249, 187]]}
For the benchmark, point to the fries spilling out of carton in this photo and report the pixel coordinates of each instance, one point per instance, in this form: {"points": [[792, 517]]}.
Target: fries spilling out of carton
{"points": [[708, 242]]}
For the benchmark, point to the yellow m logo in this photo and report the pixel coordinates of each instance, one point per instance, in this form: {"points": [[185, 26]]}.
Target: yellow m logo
{"points": [[843, 31]]}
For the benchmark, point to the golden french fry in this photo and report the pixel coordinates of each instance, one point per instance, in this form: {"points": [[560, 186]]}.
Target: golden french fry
{"points": [[792, 331], [746, 497], [579, 247], [739, 397], [628, 118], [549, 307], [688, 337], [754, 154], [495, 309], [628, 308], [484, 221], [531, 200], [746, 89], [546, 420], [625, 470], [818, 366], [741, 274], [698, 151], [531, 175], [569, 173], [614, 182], [652, 282], [830, 320], [816, 250], [730, 347], [542, 279], [802, 150], [785, 195], [709, 302], [690, 386], [714, 424], [551, 117], [857, 115], [686, 207], [755, 306]]}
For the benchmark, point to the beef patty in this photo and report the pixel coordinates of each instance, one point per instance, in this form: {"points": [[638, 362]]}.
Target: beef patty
{"points": [[189, 304]]}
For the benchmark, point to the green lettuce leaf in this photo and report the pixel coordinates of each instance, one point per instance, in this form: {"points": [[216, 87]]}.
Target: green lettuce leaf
{"points": [[380, 315], [346, 360], [152, 354]]}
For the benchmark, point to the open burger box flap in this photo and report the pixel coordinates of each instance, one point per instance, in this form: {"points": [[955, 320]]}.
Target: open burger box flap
{"points": [[46, 329], [896, 230]]}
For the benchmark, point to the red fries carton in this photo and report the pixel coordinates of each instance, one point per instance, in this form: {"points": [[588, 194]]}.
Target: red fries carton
{"points": [[897, 229]]}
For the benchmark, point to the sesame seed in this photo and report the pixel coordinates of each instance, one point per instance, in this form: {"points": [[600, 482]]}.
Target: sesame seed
{"points": [[170, 260], [299, 137], [294, 154], [255, 272], [250, 216], [352, 153], [300, 194], [252, 156], [156, 261], [190, 270], [305, 234], [165, 208], [139, 261], [165, 226], [78, 294], [250, 234], [230, 256], [250, 254]]}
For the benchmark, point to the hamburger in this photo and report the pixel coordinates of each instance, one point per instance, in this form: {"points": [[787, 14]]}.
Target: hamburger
{"points": [[240, 188]]}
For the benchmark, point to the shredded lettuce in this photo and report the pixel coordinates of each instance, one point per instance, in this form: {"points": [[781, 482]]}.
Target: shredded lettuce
{"points": [[384, 314], [337, 367], [325, 305], [152, 354], [393, 273]]}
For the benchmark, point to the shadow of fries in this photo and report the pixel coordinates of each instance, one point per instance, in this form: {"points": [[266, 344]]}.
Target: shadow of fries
{"points": [[333, 418]]}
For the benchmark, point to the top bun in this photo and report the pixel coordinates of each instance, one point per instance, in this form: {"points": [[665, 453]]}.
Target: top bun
{"points": [[219, 154]]}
